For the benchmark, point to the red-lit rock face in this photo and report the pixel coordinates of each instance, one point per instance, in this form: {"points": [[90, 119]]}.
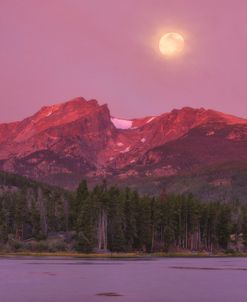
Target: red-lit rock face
{"points": [[63, 143]]}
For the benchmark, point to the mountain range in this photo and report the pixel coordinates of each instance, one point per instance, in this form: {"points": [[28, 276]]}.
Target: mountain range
{"points": [[186, 150]]}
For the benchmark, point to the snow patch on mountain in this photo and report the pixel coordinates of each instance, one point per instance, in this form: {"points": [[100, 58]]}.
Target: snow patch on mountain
{"points": [[125, 150], [121, 123], [49, 113], [150, 120], [210, 133]]}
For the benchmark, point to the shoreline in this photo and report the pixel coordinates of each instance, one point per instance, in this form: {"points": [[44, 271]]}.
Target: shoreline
{"points": [[121, 255]]}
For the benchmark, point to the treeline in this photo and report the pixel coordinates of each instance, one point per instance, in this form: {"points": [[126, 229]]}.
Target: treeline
{"points": [[120, 220], [114, 219]]}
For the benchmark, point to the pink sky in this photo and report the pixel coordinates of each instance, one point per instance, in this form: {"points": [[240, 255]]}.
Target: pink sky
{"points": [[54, 50]]}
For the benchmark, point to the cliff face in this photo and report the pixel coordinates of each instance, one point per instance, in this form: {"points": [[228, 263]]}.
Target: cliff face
{"points": [[60, 139], [64, 143]]}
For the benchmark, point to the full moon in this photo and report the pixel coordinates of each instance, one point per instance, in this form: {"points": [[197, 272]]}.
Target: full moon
{"points": [[171, 44]]}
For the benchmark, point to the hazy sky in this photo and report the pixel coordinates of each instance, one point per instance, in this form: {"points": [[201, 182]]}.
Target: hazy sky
{"points": [[54, 50]]}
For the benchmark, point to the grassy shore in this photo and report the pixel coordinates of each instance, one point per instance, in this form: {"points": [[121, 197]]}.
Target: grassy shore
{"points": [[121, 255]]}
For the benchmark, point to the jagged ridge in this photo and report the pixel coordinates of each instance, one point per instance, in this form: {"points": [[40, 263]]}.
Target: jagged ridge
{"points": [[61, 144]]}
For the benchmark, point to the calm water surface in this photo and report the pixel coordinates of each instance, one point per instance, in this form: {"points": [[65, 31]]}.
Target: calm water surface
{"points": [[155, 280]]}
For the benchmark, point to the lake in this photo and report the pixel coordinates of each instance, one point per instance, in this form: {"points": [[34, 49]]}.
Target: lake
{"points": [[152, 280]]}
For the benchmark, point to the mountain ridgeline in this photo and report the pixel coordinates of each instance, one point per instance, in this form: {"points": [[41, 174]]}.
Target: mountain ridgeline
{"points": [[37, 217], [187, 150]]}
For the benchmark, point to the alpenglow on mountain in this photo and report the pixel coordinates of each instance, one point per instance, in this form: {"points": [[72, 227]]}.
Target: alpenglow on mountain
{"points": [[178, 151]]}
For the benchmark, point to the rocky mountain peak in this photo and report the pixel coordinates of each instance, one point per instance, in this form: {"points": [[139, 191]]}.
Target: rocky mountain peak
{"points": [[65, 142]]}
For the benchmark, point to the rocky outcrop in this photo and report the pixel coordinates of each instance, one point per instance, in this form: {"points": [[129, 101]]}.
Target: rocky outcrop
{"points": [[61, 144]]}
